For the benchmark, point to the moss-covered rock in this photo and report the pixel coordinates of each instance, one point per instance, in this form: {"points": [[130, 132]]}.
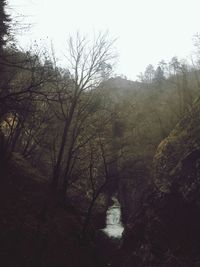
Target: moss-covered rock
{"points": [[178, 152], [165, 230]]}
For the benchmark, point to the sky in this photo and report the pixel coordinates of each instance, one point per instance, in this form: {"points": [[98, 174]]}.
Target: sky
{"points": [[147, 31]]}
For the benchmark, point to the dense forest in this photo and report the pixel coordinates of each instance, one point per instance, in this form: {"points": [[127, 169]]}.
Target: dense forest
{"points": [[72, 138]]}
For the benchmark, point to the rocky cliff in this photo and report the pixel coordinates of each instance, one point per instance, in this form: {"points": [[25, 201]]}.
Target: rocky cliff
{"points": [[178, 156], [165, 230]]}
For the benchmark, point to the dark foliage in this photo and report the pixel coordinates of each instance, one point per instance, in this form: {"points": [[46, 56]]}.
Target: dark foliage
{"points": [[4, 24]]}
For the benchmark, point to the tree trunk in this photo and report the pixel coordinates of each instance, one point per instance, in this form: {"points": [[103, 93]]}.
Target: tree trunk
{"points": [[88, 217], [56, 171]]}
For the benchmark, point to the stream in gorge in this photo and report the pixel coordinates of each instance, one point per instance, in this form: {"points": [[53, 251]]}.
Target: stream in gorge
{"points": [[109, 239], [114, 227]]}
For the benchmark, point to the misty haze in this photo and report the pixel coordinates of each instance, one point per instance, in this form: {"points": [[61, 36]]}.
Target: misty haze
{"points": [[99, 133]]}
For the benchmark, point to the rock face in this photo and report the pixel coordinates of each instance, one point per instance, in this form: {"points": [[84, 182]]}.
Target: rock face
{"points": [[132, 189], [165, 230], [178, 156]]}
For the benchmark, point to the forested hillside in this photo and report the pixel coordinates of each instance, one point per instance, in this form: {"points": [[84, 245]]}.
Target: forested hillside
{"points": [[73, 137]]}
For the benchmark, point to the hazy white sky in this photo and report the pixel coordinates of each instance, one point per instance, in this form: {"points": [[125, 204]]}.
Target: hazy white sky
{"points": [[146, 30]]}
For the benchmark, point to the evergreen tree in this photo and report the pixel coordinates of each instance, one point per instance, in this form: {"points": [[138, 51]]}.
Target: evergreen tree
{"points": [[159, 75], [4, 20]]}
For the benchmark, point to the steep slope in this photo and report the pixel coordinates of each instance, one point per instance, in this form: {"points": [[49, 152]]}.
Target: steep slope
{"points": [[177, 157], [33, 230], [165, 231]]}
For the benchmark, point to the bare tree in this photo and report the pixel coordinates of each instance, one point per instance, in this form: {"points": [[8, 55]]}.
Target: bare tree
{"points": [[89, 63], [99, 173], [23, 94]]}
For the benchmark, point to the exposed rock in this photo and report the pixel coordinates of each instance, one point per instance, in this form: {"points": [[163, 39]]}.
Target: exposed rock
{"points": [[177, 157], [165, 230]]}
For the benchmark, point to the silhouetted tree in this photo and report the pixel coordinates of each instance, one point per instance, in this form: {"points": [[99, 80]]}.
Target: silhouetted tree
{"points": [[88, 65], [4, 24], [159, 75]]}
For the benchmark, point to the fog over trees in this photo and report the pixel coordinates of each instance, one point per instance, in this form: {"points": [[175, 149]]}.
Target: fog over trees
{"points": [[89, 135]]}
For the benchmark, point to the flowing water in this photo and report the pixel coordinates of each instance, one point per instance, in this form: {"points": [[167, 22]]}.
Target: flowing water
{"points": [[114, 227]]}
